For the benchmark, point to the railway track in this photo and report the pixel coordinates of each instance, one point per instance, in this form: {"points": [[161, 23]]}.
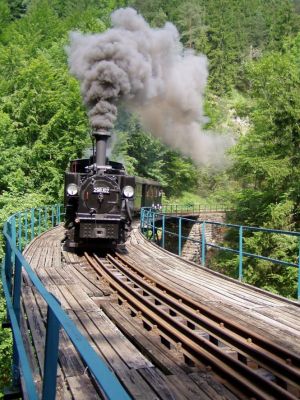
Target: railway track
{"points": [[249, 365]]}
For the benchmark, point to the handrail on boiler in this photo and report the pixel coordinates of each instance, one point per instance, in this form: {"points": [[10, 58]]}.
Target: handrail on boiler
{"points": [[18, 230]]}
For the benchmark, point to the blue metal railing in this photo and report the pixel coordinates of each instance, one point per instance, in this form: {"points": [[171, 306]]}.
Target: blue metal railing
{"points": [[192, 208], [150, 216], [18, 230]]}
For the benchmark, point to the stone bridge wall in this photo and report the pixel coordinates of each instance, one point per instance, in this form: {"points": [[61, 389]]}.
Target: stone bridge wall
{"points": [[213, 234]]}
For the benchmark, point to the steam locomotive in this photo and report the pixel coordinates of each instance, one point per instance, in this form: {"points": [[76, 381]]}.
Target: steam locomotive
{"points": [[101, 199]]}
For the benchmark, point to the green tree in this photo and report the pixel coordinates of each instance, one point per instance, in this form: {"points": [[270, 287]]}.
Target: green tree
{"points": [[267, 166]]}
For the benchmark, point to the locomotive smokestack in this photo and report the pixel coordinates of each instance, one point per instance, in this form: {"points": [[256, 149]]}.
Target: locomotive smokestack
{"points": [[101, 138]]}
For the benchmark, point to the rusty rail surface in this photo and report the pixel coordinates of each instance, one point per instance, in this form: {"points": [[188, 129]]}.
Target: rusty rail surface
{"points": [[248, 364]]}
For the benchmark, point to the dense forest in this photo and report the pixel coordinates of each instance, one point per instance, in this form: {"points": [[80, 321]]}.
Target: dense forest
{"points": [[253, 51]]}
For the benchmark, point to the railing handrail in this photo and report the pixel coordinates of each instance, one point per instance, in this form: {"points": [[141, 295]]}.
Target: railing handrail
{"points": [[195, 207], [149, 215], [248, 227], [104, 377]]}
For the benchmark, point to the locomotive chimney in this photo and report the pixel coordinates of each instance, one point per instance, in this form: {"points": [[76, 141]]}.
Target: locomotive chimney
{"points": [[101, 139]]}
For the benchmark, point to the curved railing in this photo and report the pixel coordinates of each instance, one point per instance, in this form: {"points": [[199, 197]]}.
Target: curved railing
{"points": [[154, 221], [192, 208], [18, 230]]}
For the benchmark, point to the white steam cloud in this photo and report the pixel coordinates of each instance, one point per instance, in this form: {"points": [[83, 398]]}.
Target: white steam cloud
{"points": [[151, 74]]}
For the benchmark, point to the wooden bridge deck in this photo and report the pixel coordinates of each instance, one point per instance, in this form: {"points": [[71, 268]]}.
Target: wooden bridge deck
{"points": [[270, 315], [74, 283]]}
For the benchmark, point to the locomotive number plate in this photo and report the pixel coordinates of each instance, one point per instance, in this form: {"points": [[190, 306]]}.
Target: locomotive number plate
{"points": [[101, 189]]}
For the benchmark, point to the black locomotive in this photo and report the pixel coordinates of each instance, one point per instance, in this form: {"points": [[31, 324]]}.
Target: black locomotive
{"points": [[101, 200]]}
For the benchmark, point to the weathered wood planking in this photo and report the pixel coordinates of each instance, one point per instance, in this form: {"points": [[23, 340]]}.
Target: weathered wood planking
{"points": [[146, 368], [265, 313], [168, 361], [75, 292]]}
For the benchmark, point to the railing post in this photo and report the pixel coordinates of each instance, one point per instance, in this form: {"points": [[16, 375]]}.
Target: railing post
{"points": [[203, 243], [147, 222], [179, 236], [52, 216], [8, 263], [240, 253], [51, 356], [163, 231], [59, 211], [17, 289], [39, 221], [20, 231], [32, 220], [16, 307], [142, 220], [153, 225], [46, 218], [26, 227], [14, 238]]}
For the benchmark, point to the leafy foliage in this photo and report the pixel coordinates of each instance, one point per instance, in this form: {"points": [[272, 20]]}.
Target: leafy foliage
{"points": [[5, 347]]}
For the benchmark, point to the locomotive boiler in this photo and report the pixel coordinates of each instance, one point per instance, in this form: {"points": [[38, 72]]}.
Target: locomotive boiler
{"points": [[101, 199]]}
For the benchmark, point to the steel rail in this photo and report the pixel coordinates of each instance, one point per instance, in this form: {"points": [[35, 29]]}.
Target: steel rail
{"points": [[273, 364], [281, 352], [238, 375]]}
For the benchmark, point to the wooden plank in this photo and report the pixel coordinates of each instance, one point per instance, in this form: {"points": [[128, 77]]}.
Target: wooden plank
{"points": [[56, 263], [136, 385], [29, 347], [71, 302], [185, 386], [26, 281], [92, 289], [55, 290], [82, 388], [149, 345], [62, 391], [49, 257], [41, 261], [133, 382], [126, 350], [213, 389], [67, 278], [68, 356], [87, 271], [83, 299], [36, 324], [55, 277], [281, 315], [35, 258], [160, 385], [41, 304], [44, 277], [103, 348], [171, 260]]}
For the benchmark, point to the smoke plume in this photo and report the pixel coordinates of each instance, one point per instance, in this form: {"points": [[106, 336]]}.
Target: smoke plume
{"points": [[151, 74]]}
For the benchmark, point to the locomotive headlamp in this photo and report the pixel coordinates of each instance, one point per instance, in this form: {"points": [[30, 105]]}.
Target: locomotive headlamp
{"points": [[128, 191], [72, 189]]}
